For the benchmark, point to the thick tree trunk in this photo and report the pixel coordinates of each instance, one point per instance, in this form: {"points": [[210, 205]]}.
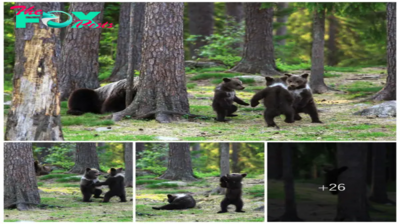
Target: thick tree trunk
{"points": [[162, 83], [317, 83], [389, 91], [135, 43], [85, 157], [128, 155], [378, 189], [224, 159], [290, 200], [20, 186], [139, 148], [179, 163], [352, 202], [275, 166], [121, 61], [80, 52], [235, 157], [258, 51], [44, 152], [333, 57], [35, 108], [282, 29], [201, 22]]}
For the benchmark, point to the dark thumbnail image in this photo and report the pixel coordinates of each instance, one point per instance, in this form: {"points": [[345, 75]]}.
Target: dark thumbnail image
{"points": [[331, 181]]}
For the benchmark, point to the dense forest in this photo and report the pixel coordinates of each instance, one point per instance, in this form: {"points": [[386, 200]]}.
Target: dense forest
{"points": [[48, 177], [197, 170], [331, 181], [153, 75]]}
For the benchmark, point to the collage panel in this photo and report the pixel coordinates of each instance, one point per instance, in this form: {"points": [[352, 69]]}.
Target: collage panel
{"points": [[68, 182], [200, 182], [328, 182]]}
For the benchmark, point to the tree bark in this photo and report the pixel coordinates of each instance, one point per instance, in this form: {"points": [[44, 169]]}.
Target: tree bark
{"points": [[282, 30], [389, 91], [45, 151], [128, 156], [121, 61], [290, 200], [352, 202], [139, 148], [179, 163], [135, 54], [35, 110], [80, 52], [235, 157], [85, 157], [161, 90], [275, 166], [224, 159], [333, 30], [201, 22], [378, 189], [20, 186], [317, 83], [258, 51], [234, 12]]}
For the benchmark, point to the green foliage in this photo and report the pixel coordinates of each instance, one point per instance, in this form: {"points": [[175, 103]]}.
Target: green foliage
{"points": [[154, 159], [214, 75], [111, 155], [61, 154]]}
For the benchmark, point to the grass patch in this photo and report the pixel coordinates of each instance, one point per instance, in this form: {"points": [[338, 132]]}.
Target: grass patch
{"points": [[144, 181], [87, 119], [191, 85], [53, 176], [68, 179], [331, 75], [162, 185], [202, 76], [360, 89], [341, 69], [256, 191]]}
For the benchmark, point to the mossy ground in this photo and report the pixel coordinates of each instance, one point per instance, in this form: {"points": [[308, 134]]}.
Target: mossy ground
{"points": [[56, 191], [336, 113], [207, 205], [316, 205]]}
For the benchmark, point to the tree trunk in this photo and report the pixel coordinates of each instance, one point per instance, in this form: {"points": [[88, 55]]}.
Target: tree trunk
{"points": [[135, 54], [258, 51], [282, 30], [128, 155], [196, 148], [139, 148], [80, 52], [378, 189], [35, 110], [290, 200], [333, 30], [224, 159], [389, 91], [44, 152], [235, 157], [179, 163], [121, 61], [162, 83], [234, 12], [352, 202], [85, 157], [317, 83], [20, 186], [201, 22], [275, 166]]}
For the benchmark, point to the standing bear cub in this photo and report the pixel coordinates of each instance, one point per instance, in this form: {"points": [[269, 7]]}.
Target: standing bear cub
{"points": [[116, 184], [224, 96], [178, 201], [88, 184], [233, 184], [302, 95]]}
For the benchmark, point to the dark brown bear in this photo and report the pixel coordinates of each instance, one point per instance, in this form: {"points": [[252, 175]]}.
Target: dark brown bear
{"points": [[116, 184], [41, 170], [224, 96], [277, 100], [302, 95], [88, 184], [233, 196], [178, 201]]}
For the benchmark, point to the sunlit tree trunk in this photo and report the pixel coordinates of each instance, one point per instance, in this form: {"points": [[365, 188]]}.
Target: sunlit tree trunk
{"points": [[235, 157], [128, 156], [85, 157]]}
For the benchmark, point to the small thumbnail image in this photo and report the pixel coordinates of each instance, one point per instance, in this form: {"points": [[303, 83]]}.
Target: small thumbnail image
{"points": [[200, 182], [331, 182], [68, 182]]}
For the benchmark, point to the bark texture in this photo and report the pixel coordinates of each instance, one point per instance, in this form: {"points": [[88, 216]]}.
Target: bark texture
{"points": [[201, 22], [352, 202], [128, 156], [389, 91], [333, 54], [139, 148], [85, 157], [20, 186], [224, 159], [317, 83], [121, 60], [258, 50], [35, 110], [80, 52], [161, 90], [234, 12], [282, 29], [179, 163], [235, 157], [379, 179]]}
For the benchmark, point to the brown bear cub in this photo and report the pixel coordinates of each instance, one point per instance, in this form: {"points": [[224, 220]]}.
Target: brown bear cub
{"points": [[224, 96], [303, 100], [178, 201], [116, 183], [41, 170], [233, 196], [277, 100], [88, 184]]}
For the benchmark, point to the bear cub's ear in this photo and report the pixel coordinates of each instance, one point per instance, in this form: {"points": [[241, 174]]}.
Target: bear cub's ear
{"points": [[226, 80], [304, 75], [244, 174], [87, 169]]}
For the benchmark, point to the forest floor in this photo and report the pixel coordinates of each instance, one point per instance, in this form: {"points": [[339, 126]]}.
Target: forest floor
{"points": [[152, 192], [316, 205], [62, 194], [336, 113]]}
